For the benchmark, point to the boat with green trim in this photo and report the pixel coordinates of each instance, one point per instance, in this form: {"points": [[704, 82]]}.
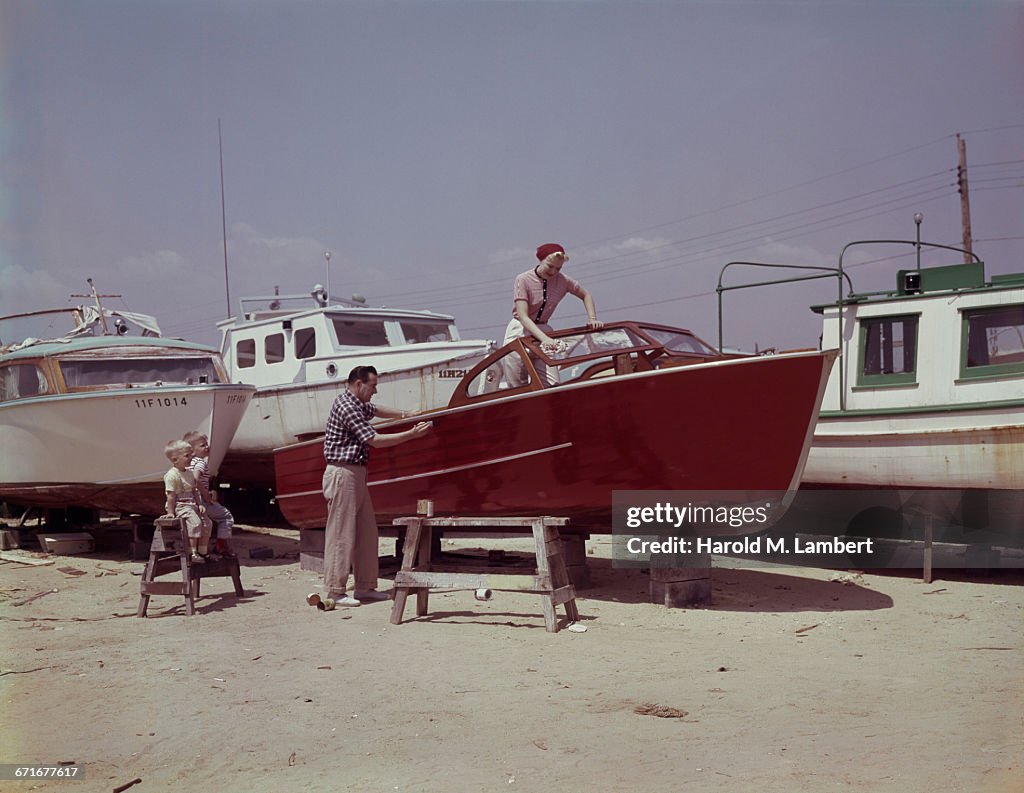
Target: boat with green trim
{"points": [[925, 405], [929, 391]]}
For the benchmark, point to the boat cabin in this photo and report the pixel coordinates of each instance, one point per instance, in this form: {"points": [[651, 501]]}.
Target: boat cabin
{"points": [[943, 336], [286, 339], [95, 356]]}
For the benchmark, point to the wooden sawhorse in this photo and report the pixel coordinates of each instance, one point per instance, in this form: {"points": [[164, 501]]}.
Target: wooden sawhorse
{"points": [[168, 552], [551, 580]]}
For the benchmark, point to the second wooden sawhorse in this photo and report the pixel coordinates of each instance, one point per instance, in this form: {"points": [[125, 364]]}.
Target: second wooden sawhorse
{"points": [[551, 581]]}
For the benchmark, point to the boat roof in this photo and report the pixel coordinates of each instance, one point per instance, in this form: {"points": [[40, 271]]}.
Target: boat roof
{"points": [[934, 281], [278, 307], [128, 345]]}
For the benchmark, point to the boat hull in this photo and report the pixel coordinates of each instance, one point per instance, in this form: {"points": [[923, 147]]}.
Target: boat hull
{"points": [[963, 467], [741, 424], [104, 449], [979, 448]]}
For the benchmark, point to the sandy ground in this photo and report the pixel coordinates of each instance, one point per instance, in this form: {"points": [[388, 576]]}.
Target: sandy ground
{"points": [[790, 681]]}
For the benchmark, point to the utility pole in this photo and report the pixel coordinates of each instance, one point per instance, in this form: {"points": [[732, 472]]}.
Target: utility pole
{"points": [[965, 198]]}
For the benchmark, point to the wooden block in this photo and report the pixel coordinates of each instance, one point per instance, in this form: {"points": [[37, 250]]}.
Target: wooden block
{"points": [[697, 566], [312, 540], [681, 594], [10, 539], [312, 562], [672, 574], [138, 550]]}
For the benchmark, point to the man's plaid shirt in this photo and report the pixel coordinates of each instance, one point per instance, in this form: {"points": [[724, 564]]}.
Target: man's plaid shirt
{"points": [[348, 431]]}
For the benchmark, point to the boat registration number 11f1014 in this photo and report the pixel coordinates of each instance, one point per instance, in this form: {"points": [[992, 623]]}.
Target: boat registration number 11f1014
{"points": [[161, 402]]}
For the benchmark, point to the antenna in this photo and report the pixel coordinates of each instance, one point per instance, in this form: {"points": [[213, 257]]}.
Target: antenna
{"points": [[223, 220], [99, 306], [327, 266]]}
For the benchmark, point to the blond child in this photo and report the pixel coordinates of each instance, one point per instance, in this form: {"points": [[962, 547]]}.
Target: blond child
{"points": [[182, 499], [222, 519]]}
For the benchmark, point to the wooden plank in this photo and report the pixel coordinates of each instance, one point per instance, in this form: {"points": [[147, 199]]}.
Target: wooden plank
{"points": [[497, 581], [409, 551], [163, 588], [563, 595], [496, 522], [550, 615], [24, 557]]}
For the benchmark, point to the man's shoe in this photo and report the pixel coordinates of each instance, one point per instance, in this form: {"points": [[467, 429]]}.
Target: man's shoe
{"points": [[373, 596], [346, 600]]}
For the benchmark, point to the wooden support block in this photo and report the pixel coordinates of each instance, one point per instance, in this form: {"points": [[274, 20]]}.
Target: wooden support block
{"points": [[10, 539], [682, 587], [681, 594]]}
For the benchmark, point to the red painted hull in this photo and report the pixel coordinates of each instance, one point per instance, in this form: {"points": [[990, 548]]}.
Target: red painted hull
{"points": [[741, 424]]}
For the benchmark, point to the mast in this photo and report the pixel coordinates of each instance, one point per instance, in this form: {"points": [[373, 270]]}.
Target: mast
{"points": [[99, 306]]}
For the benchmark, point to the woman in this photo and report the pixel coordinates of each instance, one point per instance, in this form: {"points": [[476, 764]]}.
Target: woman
{"points": [[536, 295]]}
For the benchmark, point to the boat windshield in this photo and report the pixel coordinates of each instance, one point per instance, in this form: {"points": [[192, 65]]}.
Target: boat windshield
{"points": [[578, 356], [591, 343], [137, 371], [679, 341], [360, 332], [416, 331]]}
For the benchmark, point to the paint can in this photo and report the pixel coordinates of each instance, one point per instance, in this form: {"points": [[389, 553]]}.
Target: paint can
{"points": [[324, 604]]}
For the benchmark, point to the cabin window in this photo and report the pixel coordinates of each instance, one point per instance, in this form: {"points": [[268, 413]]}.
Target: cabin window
{"points": [[305, 343], [888, 351], [418, 332], [137, 371], [21, 380], [360, 332], [245, 353], [993, 341], [273, 348]]}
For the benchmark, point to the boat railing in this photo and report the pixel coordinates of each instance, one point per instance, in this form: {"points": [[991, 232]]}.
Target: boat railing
{"points": [[812, 273], [815, 272]]}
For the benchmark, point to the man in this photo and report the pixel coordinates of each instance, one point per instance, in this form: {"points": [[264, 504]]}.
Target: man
{"points": [[351, 538]]}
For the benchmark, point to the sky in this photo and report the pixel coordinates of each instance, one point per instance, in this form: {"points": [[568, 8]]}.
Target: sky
{"points": [[432, 146]]}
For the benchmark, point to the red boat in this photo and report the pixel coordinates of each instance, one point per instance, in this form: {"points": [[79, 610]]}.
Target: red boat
{"points": [[632, 406]]}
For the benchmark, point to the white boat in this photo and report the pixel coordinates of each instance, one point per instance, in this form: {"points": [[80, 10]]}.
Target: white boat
{"points": [[298, 350], [930, 392], [85, 414], [925, 407]]}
